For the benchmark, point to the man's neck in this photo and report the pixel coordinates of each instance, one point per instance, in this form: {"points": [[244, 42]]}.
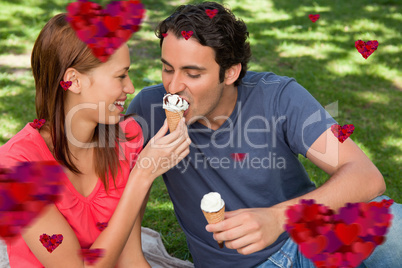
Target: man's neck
{"points": [[224, 109]]}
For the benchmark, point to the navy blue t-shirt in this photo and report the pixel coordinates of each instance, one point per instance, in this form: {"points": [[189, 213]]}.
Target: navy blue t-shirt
{"points": [[251, 160]]}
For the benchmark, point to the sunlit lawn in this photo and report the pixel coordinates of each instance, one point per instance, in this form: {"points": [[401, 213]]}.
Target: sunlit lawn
{"points": [[321, 56]]}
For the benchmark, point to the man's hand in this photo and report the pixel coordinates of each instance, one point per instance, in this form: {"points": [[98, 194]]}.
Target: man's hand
{"points": [[249, 230]]}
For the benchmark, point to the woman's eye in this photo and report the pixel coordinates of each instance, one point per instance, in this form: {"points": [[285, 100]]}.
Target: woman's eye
{"points": [[123, 76]]}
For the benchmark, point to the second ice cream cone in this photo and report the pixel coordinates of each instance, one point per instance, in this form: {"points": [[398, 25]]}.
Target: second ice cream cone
{"points": [[173, 119]]}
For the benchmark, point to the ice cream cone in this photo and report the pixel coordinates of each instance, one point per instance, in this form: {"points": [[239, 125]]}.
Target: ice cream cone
{"points": [[215, 217], [173, 119]]}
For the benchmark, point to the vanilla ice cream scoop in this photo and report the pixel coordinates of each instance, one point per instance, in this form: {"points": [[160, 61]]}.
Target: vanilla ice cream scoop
{"points": [[212, 202], [174, 103]]}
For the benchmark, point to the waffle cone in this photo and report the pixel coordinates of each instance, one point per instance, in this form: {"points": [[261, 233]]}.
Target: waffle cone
{"points": [[173, 119], [215, 217]]}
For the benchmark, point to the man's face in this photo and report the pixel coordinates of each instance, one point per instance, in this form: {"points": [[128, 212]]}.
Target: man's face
{"points": [[190, 70]]}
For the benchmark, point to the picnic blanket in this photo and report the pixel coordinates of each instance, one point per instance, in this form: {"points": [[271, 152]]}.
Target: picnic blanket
{"points": [[152, 246]]}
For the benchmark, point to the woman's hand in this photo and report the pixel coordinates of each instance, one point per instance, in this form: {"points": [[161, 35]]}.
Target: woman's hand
{"points": [[164, 152]]}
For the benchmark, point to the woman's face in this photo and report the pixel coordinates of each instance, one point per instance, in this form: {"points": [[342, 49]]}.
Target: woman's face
{"points": [[105, 89]]}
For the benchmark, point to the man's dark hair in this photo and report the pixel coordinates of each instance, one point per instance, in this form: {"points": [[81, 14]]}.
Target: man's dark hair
{"points": [[224, 33]]}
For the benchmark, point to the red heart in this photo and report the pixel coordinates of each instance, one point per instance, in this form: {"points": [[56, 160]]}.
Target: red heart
{"points": [[354, 259], [164, 34], [301, 233], [98, 28], [313, 246], [340, 241], [342, 133], [22, 192], [238, 157], [66, 85], [25, 190], [366, 49], [365, 248], [314, 18], [51, 242], [211, 12], [112, 23], [186, 35], [347, 233], [91, 256], [101, 225], [37, 123]]}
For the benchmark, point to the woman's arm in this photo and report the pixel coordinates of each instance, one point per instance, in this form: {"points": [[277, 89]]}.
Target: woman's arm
{"points": [[112, 239], [173, 147], [132, 255]]}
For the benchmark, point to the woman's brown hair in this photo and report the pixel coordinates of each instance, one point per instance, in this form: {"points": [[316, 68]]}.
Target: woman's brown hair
{"points": [[56, 49]]}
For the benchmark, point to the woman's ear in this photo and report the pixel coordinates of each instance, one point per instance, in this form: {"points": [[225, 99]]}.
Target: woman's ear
{"points": [[74, 76], [232, 74]]}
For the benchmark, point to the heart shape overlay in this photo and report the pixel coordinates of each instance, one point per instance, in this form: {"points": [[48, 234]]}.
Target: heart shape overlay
{"points": [[186, 34], [91, 256], [164, 34], [238, 157], [66, 85], [104, 31], [211, 12], [314, 18], [51, 242], [366, 49], [101, 225], [37, 123], [338, 240], [342, 133], [24, 191]]}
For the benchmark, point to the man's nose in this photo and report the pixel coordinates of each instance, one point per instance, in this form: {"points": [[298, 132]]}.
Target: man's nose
{"points": [[176, 85]]}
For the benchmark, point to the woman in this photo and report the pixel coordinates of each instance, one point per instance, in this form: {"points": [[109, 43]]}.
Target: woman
{"points": [[83, 132]]}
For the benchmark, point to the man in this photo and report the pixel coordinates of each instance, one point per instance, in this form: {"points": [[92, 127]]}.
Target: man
{"points": [[246, 129]]}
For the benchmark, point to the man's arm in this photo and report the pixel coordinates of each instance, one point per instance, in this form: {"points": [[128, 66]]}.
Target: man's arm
{"points": [[354, 178]]}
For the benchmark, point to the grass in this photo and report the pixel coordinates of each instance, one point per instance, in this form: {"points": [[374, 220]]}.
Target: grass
{"points": [[321, 56]]}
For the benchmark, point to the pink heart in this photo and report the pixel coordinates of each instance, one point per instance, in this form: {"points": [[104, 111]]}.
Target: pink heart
{"points": [[66, 85], [238, 157], [101, 225], [313, 246], [51, 242], [347, 233], [37, 123], [365, 248], [91, 256], [211, 12], [351, 235], [24, 191], [314, 18], [342, 133], [186, 35], [366, 49], [94, 24]]}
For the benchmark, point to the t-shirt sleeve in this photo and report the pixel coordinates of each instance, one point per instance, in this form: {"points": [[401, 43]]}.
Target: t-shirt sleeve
{"points": [[8, 160], [16, 151], [300, 117], [139, 115], [133, 147], [147, 107]]}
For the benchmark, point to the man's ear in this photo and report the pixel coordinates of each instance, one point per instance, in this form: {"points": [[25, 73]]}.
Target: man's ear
{"points": [[74, 76], [232, 74]]}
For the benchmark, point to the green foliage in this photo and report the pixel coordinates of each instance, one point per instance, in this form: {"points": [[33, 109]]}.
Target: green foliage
{"points": [[321, 56]]}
